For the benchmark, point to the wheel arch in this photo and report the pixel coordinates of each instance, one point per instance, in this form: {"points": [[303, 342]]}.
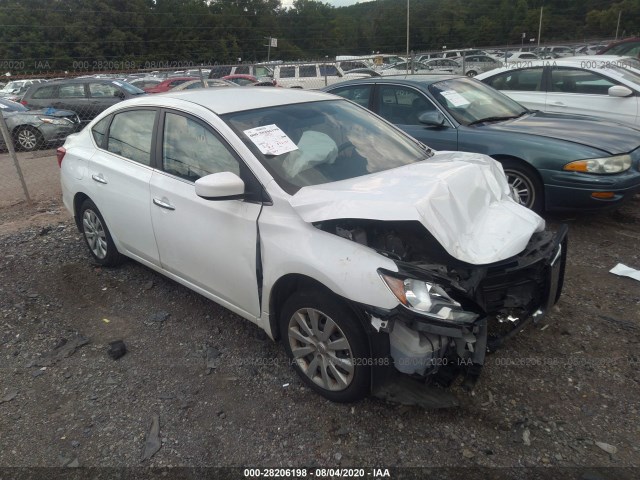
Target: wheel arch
{"points": [[78, 200], [290, 283]]}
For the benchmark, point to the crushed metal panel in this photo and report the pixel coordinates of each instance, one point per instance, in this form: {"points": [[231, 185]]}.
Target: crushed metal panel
{"points": [[461, 198]]}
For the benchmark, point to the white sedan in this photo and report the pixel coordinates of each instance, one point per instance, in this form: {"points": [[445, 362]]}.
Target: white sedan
{"points": [[367, 254], [599, 86]]}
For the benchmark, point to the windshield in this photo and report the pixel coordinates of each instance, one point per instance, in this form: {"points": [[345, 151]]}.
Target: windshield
{"points": [[625, 72], [631, 49], [127, 87], [470, 101], [322, 142], [9, 106], [12, 86]]}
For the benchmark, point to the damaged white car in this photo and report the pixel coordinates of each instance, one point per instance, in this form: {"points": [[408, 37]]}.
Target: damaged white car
{"points": [[368, 255]]}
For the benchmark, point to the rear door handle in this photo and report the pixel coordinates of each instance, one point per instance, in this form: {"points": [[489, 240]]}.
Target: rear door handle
{"points": [[99, 178], [558, 104], [163, 204]]}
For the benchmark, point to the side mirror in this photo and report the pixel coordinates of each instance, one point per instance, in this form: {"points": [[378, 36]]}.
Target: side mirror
{"points": [[220, 186], [432, 119], [620, 91], [119, 94]]}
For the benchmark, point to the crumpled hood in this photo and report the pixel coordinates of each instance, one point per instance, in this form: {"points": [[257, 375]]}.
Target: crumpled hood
{"points": [[461, 198]]}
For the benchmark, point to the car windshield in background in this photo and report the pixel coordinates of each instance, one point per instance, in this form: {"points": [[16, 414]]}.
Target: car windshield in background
{"points": [[129, 88], [471, 102], [9, 106], [623, 72], [322, 142]]}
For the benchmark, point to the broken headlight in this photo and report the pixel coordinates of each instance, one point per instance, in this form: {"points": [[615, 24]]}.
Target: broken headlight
{"points": [[427, 298]]}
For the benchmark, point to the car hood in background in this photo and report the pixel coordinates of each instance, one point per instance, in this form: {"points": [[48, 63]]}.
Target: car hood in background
{"points": [[461, 198], [608, 136]]}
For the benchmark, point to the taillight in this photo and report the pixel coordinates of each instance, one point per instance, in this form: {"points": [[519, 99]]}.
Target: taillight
{"points": [[60, 155], [23, 102]]}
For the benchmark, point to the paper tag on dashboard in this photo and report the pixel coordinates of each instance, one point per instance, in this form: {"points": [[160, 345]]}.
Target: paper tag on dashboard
{"points": [[271, 140]]}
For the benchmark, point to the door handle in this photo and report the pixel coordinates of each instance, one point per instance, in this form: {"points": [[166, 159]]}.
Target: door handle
{"points": [[559, 104], [163, 204], [99, 178]]}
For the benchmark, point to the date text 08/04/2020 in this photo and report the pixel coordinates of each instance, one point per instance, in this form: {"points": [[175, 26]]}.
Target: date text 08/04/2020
{"points": [[316, 473]]}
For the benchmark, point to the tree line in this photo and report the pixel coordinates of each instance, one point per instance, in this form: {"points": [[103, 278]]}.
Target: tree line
{"points": [[57, 35]]}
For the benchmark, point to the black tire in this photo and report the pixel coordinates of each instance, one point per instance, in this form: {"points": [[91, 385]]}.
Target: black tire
{"points": [[97, 237], [338, 374], [471, 73], [28, 138], [525, 184]]}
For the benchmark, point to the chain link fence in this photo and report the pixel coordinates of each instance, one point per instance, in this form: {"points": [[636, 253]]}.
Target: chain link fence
{"points": [[39, 113]]}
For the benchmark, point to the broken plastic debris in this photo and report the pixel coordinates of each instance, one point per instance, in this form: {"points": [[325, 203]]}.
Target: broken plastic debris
{"points": [[610, 449], [152, 443], [285, 385], [106, 320], [624, 271], [117, 349]]}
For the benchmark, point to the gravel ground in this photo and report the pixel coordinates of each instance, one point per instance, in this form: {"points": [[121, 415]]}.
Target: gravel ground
{"points": [[562, 393]]}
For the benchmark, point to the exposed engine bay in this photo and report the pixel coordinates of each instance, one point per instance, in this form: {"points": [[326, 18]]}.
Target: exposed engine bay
{"points": [[491, 302]]}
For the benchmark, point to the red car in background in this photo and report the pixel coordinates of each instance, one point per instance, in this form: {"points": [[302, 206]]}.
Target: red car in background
{"points": [[168, 84], [244, 80], [629, 47]]}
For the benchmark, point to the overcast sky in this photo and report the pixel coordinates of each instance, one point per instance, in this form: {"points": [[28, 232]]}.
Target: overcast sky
{"points": [[335, 3]]}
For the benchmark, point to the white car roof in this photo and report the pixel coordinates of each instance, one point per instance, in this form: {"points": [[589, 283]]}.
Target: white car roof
{"points": [[233, 99]]}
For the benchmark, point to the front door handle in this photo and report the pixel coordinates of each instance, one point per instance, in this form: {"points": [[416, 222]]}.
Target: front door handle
{"points": [[163, 204], [559, 104], [99, 178]]}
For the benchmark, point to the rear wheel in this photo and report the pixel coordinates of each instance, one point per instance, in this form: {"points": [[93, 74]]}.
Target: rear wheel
{"points": [[28, 138], [97, 236], [525, 184], [327, 346], [471, 73]]}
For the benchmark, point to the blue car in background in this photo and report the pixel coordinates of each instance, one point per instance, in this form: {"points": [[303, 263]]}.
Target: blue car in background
{"points": [[552, 161]]}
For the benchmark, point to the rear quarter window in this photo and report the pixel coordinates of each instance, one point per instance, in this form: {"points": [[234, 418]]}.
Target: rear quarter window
{"points": [[48, 91]]}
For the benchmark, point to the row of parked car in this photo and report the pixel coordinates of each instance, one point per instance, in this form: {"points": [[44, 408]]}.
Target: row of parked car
{"points": [[40, 112], [468, 117]]}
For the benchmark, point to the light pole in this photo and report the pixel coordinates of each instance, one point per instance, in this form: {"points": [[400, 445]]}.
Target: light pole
{"points": [[407, 36]]}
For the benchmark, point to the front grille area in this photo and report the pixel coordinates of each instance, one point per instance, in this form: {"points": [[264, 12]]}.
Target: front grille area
{"points": [[520, 282], [519, 289]]}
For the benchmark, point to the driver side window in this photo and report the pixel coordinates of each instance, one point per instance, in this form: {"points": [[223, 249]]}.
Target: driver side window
{"points": [[190, 150], [402, 105]]}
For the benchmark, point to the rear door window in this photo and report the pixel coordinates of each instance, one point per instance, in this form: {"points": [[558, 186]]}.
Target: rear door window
{"points": [[528, 80], [130, 135], [74, 90]]}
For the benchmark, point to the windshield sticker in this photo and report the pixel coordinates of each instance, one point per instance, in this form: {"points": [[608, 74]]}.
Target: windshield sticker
{"points": [[271, 140], [454, 98]]}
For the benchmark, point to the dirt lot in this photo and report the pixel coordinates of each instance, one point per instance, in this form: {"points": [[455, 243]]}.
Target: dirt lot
{"points": [[565, 393]]}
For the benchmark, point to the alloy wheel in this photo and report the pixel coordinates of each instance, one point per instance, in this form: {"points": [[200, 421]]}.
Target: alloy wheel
{"points": [[521, 187], [27, 139], [321, 349], [95, 234]]}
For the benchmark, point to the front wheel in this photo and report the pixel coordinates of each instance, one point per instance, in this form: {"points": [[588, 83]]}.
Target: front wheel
{"points": [[97, 236], [525, 185], [471, 73], [326, 345], [28, 139]]}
